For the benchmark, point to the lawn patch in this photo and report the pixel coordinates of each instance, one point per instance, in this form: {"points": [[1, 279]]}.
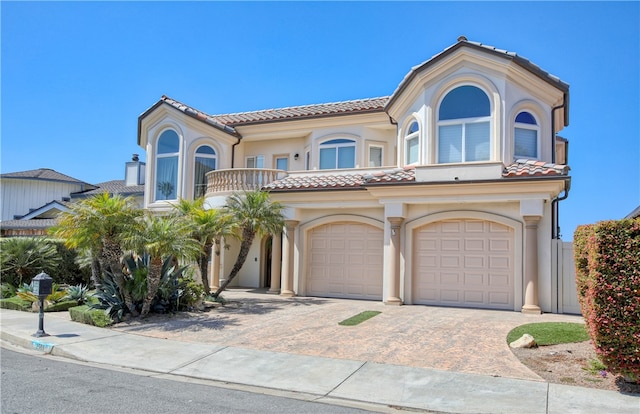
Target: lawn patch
{"points": [[359, 318], [551, 333]]}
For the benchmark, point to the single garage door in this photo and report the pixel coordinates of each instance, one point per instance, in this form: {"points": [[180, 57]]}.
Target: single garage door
{"points": [[466, 263], [345, 261]]}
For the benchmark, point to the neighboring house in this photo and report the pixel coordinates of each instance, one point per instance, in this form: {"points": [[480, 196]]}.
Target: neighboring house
{"points": [[32, 199], [634, 214], [446, 192]]}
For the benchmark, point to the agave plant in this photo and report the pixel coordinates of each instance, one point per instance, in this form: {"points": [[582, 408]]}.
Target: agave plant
{"points": [[109, 298], [78, 293]]}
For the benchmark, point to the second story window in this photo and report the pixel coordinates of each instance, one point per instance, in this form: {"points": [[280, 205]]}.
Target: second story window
{"points": [[205, 162], [412, 144], [255, 161], [337, 153], [526, 136], [167, 166], [464, 126]]}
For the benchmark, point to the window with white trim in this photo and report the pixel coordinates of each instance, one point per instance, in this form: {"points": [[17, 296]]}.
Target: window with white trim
{"points": [[526, 136], [464, 126], [337, 153], [205, 161], [375, 156], [167, 153], [412, 144], [282, 163], [256, 161]]}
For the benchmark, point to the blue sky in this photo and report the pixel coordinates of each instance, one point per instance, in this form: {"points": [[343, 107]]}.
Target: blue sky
{"points": [[75, 76]]}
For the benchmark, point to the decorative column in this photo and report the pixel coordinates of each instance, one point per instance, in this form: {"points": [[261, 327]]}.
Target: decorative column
{"points": [[276, 257], [531, 266], [288, 244], [214, 271], [394, 262]]}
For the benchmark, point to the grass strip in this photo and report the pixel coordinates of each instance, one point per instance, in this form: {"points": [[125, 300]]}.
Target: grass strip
{"points": [[359, 318], [551, 333]]}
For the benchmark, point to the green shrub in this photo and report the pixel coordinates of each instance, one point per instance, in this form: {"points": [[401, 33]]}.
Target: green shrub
{"points": [[69, 270], [607, 257], [7, 290], [89, 316], [22, 258], [191, 293], [15, 303], [61, 306]]}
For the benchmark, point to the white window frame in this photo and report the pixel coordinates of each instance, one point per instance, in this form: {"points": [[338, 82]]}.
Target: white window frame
{"points": [[381, 148], [410, 136], [256, 160], [463, 122], [213, 156], [337, 146], [531, 127], [162, 156]]}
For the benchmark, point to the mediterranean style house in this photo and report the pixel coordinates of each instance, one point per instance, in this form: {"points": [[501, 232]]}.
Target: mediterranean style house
{"points": [[444, 193]]}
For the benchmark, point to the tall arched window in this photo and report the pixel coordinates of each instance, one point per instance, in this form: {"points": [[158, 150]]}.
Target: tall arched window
{"points": [[412, 144], [167, 166], [526, 136], [205, 161], [464, 126], [337, 153]]}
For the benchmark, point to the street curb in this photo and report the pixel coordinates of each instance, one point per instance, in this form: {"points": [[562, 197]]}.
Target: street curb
{"points": [[35, 344]]}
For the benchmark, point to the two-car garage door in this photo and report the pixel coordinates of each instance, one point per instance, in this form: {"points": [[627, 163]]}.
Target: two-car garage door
{"points": [[468, 263], [345, 261]]}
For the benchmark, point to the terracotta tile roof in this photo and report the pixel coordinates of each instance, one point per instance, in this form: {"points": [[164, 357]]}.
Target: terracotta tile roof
{"points": [[534, 168], [306, 111], [226, 122], [46, 174], [359, 180]]}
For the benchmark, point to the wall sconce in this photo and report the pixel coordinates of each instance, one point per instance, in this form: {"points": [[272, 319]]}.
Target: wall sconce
{"points": [[296, 156]]}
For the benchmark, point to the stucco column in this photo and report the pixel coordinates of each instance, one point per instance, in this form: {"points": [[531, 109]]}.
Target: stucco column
{"points": [[531, 266], [394, 262], [214, 271], [288, 244], [276, 257]]}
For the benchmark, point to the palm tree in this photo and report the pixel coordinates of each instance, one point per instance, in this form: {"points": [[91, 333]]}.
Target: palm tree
{"points": [[254, 214], [96, 225], [21, 258], [160, 237], [209, 226]]}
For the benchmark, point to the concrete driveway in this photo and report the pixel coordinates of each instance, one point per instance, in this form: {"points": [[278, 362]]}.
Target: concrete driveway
{"points": [[451, 339]]}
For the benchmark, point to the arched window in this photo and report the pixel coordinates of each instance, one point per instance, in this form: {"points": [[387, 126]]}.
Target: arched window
{"points": [[167, 166], [526, 136], [205, 162], [412, 144], [464, 126], [337, 153]]}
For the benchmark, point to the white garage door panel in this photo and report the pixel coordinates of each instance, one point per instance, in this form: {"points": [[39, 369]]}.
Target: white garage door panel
{"points": [[464, 263], [346, 261]]}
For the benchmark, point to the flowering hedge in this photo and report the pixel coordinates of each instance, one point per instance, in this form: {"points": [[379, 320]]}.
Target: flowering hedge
{"points": [[607, 258]]}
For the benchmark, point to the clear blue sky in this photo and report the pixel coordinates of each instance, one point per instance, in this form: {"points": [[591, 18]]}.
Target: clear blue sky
{"points": [[76, 75]]}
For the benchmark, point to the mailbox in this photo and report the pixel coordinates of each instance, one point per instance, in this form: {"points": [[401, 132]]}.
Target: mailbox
{"points": [[42, 285]]}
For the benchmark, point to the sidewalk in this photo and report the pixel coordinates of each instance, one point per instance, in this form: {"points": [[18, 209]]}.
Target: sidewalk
{"points": [[323, 379]]}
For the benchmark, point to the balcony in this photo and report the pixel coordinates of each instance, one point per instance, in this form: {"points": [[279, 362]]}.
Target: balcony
{"points": [[240, 179]]}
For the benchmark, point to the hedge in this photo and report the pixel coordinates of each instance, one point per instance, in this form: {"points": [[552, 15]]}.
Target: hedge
{"points": [[84, 314], [607, 258], [15, 303]]}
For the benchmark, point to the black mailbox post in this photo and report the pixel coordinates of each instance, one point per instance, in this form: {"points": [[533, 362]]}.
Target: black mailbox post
{"points": [[42, 285]]}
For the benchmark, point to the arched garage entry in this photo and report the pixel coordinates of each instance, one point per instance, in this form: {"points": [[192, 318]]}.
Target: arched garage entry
{"points": [[466, 260], [345, 259]]}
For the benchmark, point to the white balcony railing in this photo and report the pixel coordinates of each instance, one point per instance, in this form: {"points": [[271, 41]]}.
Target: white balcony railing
{"points": [[241, 179]]}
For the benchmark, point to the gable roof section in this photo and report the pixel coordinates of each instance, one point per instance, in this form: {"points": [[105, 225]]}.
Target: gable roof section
{"points": [[360, 180], [45, 174], [463, 42], [228, 122], [48, 210]]}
